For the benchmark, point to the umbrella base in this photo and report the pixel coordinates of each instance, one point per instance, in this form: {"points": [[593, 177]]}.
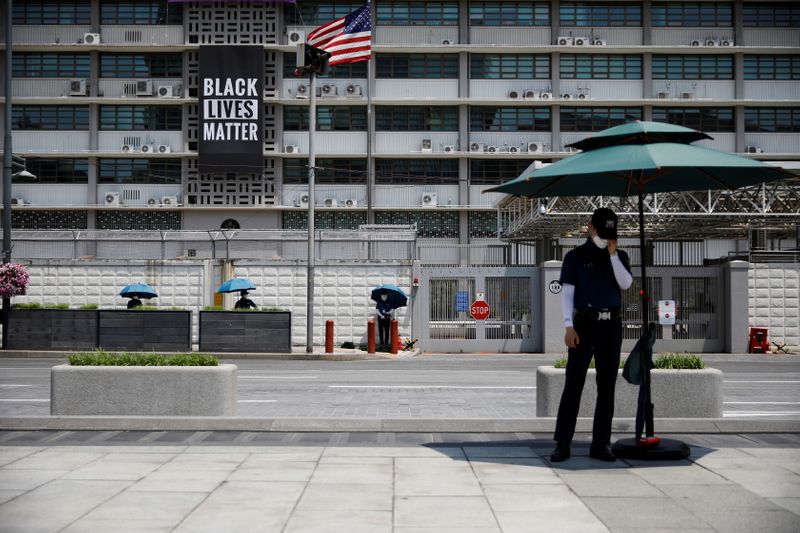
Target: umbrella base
{"points": [[666, 450]]}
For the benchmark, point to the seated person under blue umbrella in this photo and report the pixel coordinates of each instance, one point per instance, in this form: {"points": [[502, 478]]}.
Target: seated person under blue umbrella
{"points": [[134, 302], [244, 302]]}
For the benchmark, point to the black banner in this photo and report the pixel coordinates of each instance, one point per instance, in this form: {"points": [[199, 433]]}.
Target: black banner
{"points": [[231, 107]]}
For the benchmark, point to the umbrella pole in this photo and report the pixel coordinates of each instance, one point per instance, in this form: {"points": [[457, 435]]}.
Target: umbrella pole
{"points": [[662, 449], [649, 430]]}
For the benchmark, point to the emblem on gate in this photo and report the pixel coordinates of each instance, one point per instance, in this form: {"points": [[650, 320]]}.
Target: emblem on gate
{"points": [[555, 286]]}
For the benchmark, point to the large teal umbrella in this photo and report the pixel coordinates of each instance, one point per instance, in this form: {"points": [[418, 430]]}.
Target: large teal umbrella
{"points": [[641, 158]]}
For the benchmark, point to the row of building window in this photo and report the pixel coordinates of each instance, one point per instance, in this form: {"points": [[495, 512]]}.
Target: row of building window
{"points": [[408, 118], [112, 117], [66, 170], [579, 14], [398, 13], [112, 12], [438, 224], [437, 66], [572, 119]]}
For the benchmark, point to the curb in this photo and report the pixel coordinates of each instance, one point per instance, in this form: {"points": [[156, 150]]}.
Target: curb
{"points": [[399, 425], [316, 356]]}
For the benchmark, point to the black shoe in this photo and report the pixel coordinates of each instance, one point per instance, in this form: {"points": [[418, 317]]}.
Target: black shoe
{"points": [[603, 453], [561, 453]]}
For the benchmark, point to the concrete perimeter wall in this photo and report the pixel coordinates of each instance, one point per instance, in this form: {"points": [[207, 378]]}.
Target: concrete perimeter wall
{"points": [[774, 301], [342, 290]]}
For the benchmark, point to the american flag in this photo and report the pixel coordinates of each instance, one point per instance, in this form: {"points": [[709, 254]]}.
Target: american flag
{"points": [[347, 40]]}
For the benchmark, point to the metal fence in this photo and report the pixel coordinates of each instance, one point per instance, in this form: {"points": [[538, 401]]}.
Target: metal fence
{"points": [[386, 243]]}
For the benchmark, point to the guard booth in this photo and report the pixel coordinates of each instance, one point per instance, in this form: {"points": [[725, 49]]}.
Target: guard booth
{"points": [[444, 298]]}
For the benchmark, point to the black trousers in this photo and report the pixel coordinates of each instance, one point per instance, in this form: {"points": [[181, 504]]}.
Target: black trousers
{"points": [[383, 330], [603, 339]]}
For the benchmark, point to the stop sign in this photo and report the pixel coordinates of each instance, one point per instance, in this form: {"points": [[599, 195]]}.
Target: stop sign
{"points": [[479, 310]]}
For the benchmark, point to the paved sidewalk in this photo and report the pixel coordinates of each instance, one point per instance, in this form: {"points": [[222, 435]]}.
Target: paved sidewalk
{"points": [[172, 481]]}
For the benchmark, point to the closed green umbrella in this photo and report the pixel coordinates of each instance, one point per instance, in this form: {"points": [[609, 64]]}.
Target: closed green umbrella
{"points": [[638, 158]]}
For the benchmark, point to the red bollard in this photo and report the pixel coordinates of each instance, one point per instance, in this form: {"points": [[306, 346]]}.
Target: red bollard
{"points": [[394, 337], [329, 336], [371, 336]]}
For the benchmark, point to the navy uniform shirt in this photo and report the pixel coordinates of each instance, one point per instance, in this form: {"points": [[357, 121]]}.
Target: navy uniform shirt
{"points": [[589, 269]]}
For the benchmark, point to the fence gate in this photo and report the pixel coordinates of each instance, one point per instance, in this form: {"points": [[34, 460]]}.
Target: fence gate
{"points": [[446, 293], [699, 295]]}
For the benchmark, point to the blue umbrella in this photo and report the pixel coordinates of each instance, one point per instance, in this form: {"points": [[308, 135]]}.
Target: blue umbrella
{"points": [[236, 285], [139, 290], [397, 298]]}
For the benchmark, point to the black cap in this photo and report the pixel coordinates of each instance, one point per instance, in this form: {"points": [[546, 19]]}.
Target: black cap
{"points": [[604, 221]]}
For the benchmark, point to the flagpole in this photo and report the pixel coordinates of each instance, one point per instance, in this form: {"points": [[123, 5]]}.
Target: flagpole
{"points": [[312, 125]]}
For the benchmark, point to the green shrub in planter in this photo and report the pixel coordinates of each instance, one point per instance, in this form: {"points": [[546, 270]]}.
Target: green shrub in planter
{"points": [[668, 361], [213, 308], [27, 306], [55, 306], [88, 307], [679, 361], [102, 358]]}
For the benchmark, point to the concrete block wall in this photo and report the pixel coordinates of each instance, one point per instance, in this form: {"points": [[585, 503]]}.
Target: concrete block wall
{"points": [[774, 301], [178, 283], [341, 293], [342, 290]]}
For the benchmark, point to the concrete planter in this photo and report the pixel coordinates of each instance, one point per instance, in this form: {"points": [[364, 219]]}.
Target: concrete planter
{"points": [[675, 393], [143, 390], [52, 329], [158, 331], [245, 331]]}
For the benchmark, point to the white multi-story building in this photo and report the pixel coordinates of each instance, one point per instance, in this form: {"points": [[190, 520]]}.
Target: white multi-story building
{"points": [[460, 95]]}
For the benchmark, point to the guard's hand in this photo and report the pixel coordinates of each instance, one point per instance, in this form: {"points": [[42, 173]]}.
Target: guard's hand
{"points": [[612, 247], [571, 338]]}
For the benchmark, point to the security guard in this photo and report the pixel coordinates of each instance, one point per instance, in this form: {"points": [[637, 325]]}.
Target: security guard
{"points": [[593, 276]]}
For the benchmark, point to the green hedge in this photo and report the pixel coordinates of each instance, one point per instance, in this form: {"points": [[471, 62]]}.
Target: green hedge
{"points": [[262, 310], [668, 361], [101, 358]]}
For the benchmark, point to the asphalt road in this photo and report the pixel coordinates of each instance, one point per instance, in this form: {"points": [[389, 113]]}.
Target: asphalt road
{"points": [[435, 386]]}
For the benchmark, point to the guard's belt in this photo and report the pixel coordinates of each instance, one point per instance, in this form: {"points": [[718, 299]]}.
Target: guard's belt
{"points": [[601, 314]]}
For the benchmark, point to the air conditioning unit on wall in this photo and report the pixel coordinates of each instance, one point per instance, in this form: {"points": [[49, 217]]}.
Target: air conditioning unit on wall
{"points": [[476, 147], [144, 88], [77, 87], [449, 148], [147, 149], [91, 38], [303, 201], [427, 145], [165, 91], [302, 91], [18, 201], [755, 150], [169, 200], [430, 199], [112, 199], [534, 147], [296, 37], [291, 149], [565, 41], [331, 202], [353, 90], [351, 203]]}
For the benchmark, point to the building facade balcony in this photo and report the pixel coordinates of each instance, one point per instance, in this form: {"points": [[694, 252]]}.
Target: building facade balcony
{"points": [[694, 90], [350, 90], [510, 143], [772, 90], [516, 36], [50, 88], [612, 36], [142, 35], [416, 35], [602, 89], [411, 142], [49, 142], [520, 89], [416, 89], [140, 142], [139, 195], [326, 142], [346, 196], [50, 34], [783, 37], [772, 143], [415, 196], [137, 89], [50, 194], [721, 36]]}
